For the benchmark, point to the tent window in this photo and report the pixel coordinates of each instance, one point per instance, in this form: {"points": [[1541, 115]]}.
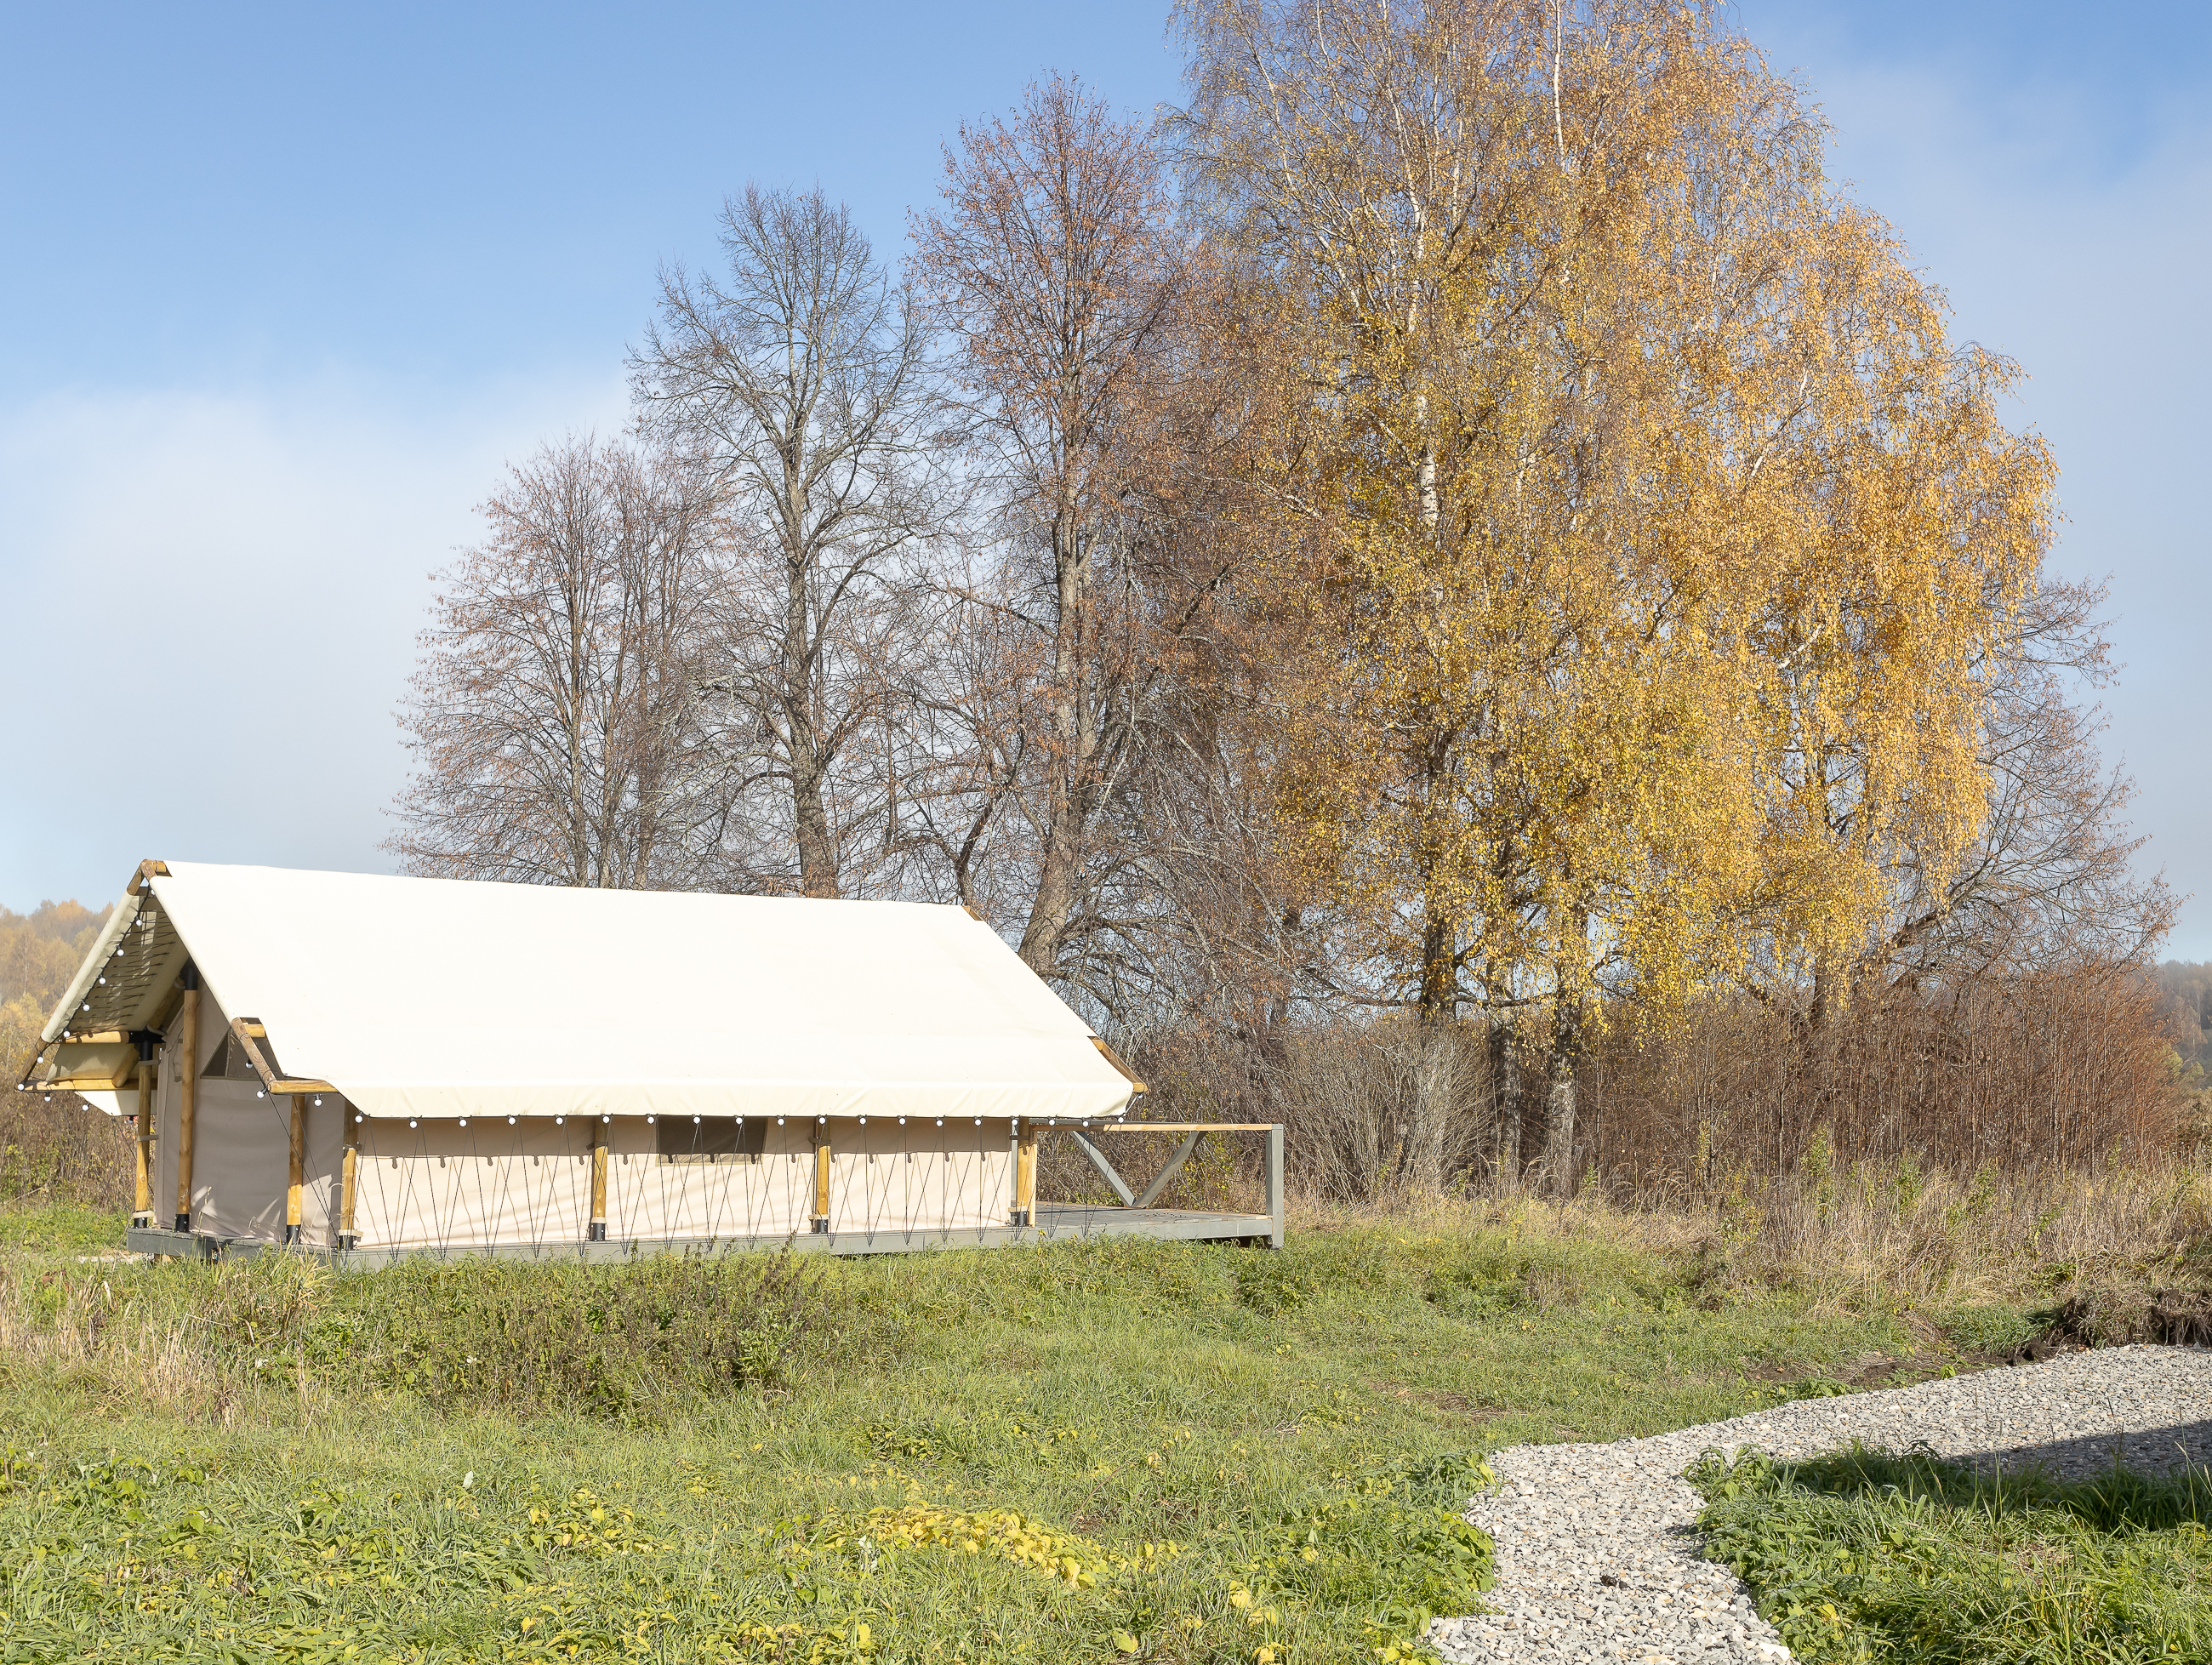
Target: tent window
{"points": [[679, 1139]]}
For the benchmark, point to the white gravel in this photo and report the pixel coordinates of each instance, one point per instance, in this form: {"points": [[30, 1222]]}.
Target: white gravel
{"points": [[1597, 1546]]}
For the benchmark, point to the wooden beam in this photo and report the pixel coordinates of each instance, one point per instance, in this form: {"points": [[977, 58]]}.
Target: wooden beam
{"points": [[38, 1058], [188, 1103], [96, 1038], [597, 1230], [142, 1210], [78, 1083], [296, 1175], [1126, 1074], [1183, 1127], [348, 1174], [820, 1218], [1025, 1155], [147, 871], [245, 1031]]}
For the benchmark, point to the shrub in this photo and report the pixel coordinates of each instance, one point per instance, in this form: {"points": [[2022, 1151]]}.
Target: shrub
{"points": [[637, 1342]]}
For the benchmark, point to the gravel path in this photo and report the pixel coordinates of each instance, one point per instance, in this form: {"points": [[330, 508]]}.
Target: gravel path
{"points": [[1597, 1550]]}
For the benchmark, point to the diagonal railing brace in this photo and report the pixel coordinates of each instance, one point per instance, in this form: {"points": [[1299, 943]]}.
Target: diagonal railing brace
{"points": [[1105, 1167], [1175, 1165]]}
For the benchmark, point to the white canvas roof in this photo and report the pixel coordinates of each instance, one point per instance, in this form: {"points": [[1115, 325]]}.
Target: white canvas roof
{"points": [[421, 997]]}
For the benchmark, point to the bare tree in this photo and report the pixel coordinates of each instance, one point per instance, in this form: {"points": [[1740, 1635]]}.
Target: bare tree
{"points": [[2048, 878], [549, 715], [795, 378], [1056, 268]]}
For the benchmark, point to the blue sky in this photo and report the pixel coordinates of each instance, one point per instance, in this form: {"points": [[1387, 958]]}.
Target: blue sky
{"points": [[283, 287]]}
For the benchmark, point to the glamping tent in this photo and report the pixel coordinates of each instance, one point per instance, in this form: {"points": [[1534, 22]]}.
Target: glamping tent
{"points": [[375, 1066]]}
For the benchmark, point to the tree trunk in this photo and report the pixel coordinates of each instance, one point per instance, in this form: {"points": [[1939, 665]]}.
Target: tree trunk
{"points": [[1420, 1147], [1505, 1095], [817, 852], [1558, 1151], [1067, 796]]}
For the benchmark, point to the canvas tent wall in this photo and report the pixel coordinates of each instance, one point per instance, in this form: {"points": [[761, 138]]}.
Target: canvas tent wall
{"points": [[721, 1064]]}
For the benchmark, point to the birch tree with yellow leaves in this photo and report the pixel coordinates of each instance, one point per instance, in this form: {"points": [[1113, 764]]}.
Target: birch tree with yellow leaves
{"points": [[1646, 530]]}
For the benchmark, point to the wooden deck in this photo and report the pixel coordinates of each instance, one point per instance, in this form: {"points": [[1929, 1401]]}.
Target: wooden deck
{"points": [[1056, 1223]]}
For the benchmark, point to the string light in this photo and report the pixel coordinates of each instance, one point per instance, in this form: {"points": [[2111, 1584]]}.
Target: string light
{"points": [[412, 1122], [510, 1121], [464, 1122]]}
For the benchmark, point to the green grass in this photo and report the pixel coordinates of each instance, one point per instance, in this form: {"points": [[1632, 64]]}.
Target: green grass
{"points": [[1867, 1556], [1098, 1452]]}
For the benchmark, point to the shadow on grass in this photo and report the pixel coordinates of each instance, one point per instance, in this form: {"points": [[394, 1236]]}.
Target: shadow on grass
{"points": [[2119, 1500]]}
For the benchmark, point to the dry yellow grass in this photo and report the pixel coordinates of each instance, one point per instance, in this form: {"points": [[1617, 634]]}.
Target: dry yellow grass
{"points": [[1877, 1236]]}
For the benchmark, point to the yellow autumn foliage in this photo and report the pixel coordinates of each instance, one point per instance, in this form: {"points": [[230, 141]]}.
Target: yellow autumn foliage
{"points": [[1640, 528]]}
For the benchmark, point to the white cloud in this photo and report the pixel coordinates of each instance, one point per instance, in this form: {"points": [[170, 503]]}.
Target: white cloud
{"points": [[212, 598]]}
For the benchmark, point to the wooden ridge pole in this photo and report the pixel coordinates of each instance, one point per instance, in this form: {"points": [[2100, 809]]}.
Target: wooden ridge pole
{"points": [[297, 1176], [596, 1231], [189, 1101], [820, 1221], [349, 1170], [1025, 1158]]}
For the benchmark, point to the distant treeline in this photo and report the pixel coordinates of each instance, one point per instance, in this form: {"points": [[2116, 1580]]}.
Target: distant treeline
{"points": [[62, 1149]]}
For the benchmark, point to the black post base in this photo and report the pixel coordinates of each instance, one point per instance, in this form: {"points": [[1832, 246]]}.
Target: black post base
{"points": [[183, 1222], [820, 1223], [596, 1232], [1021, 1217], [291, 1234]]}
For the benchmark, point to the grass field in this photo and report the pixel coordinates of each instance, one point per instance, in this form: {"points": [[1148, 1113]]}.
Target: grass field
{"points": [[1104, 1452], [1866, 1556]]}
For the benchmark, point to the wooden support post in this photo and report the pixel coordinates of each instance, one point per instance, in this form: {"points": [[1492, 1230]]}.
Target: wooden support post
{"points": [[349, 1171], [297, 1177], [189, 1101], [820, 1219], [1275, 1186], [1026, 1153], [596, 1231], [142, 1211]]}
